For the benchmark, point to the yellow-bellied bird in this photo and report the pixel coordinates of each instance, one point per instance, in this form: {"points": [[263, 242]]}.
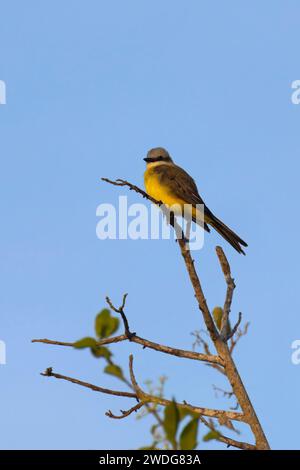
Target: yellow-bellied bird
{"points": [[170, 184]]}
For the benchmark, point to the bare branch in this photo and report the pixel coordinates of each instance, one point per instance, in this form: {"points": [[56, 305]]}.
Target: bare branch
{"points": [[239, 334], [147, 398], [120, 182], [120, 310], [225, 393], [201, 342], [229, 294], [169, 215], [52, 341], [227, 440], [146, 344], [49, 373], [135, 385], [234, 329], [125, 413]]}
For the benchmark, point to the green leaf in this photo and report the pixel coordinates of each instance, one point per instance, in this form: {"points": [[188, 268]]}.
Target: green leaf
{"points": [[86, 342], [115, 370], [171, 421], [101, 351], [105, 324], [211, 435], [188, 437], [218, 314], [97, 351], [183, 412]]}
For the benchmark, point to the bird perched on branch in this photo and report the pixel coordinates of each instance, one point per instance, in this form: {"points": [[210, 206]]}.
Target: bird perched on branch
{"points": [[170, 184]]}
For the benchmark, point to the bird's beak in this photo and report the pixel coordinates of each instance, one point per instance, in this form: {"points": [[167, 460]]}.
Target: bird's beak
{"points": [[147, 159]]}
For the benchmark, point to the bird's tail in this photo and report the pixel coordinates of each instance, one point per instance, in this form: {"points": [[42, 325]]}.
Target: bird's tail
{"points": [[228, 234]]}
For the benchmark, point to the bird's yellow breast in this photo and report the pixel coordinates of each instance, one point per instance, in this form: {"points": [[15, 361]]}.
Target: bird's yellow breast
{"points": [[159, 191]]}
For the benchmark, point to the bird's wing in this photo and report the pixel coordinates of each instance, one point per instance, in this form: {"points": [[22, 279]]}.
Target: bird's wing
{"points": [[180, 182], [182, 186]]}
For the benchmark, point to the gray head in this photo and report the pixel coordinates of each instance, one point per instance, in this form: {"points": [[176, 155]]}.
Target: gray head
{"points": [[158, 154]]}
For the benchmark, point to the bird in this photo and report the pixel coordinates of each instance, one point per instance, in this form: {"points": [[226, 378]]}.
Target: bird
{"points": [[172, 185]]}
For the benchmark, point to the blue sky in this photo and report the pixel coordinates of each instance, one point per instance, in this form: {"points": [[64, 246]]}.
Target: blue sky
{"points": [[91, 86]]}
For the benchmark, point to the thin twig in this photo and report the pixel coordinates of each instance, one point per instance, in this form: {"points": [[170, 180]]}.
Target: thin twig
{"points": [[227, 440], [146, 344], [227, 394], [225, 329], [49, 373], [135, 385], [120, 310], [120, 182], [124, 413], [168, 214], [210, 412], [201, 342], [234, 329], [144, 397], [239, 334]]}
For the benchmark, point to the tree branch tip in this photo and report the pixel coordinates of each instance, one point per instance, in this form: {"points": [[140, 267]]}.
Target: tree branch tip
{"points": [[135, 385], [219, 250], [223, 261], [124, 301], [234, 329], [125, 413], [48, 372], [115, 309]]}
